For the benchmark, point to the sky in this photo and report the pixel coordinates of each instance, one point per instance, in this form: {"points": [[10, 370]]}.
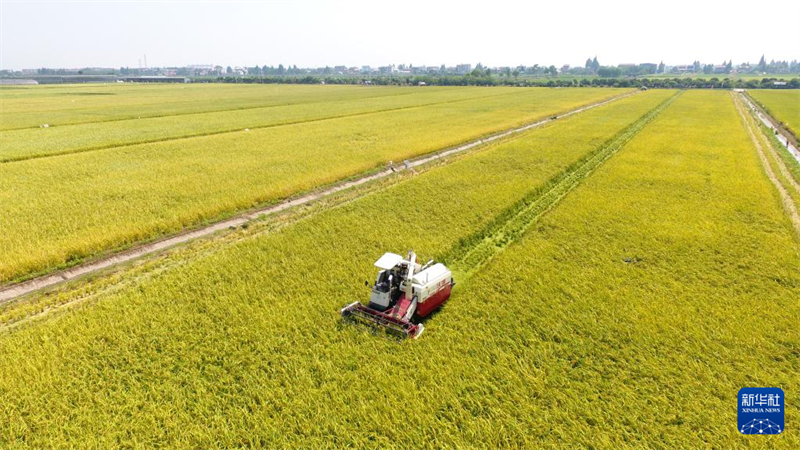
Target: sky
{"points": [[68, 34]]}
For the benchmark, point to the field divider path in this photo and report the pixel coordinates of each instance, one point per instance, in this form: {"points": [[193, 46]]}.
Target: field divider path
{"points": [[13, 159], [475, 251], [783, 135], [16, 290], [786, 199]]}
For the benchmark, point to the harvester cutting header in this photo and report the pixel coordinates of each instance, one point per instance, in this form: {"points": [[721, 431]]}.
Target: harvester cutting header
{"points": [[404, 292]]}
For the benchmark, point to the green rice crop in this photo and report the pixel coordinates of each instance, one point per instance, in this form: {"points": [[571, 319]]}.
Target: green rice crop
{"points": [[782, 104], [243, 346], [55, 211]]}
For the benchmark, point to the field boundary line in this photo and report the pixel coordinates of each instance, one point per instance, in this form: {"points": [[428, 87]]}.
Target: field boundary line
{"points": [[232, 130], [788, 204], [16, 290], [475, 251], [789, 140], [781, 150]]}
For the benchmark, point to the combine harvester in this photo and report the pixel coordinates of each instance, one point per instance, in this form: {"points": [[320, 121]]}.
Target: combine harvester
{"points": [[404, 292]]}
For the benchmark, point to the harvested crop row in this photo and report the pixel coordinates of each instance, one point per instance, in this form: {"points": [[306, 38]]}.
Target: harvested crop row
{"points": [[245, 343], [54, 211], [36, 142], [664, 279], [471, 253]]}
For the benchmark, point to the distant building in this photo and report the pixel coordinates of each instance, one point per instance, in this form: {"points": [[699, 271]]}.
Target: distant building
{"points": [[17, 81], [156, 79], [463, 69], [720, 68]]}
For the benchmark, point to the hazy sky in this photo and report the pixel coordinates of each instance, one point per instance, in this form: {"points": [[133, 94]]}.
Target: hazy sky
{"points": [[317, 33]]}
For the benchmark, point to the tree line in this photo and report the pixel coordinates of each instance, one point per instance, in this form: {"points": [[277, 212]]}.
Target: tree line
{"points": [[488, 80]]}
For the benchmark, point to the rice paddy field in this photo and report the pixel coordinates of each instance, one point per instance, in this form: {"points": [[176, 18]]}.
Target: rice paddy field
{"points": [[621, 272], [57, 209], [783, 105]]}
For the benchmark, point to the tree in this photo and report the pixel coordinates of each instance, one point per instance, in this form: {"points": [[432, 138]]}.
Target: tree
{"points": [[588, 65], [229, 70], [281, 69], [595, 64], [762, 64], [661, 67], [729, 66], [609, 72]]}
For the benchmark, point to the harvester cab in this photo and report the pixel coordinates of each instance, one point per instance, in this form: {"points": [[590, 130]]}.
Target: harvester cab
{"points": [[404, 292]]}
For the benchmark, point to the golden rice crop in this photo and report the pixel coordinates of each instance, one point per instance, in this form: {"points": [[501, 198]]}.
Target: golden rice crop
{"points": [[33, 106], [57, 210], [243, 347], [34, 142], [632, 314]]}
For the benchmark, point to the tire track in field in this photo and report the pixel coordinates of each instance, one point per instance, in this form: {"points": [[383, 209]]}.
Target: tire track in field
{"points": [[786, 199], [16, 290], [233, 130], [475, 251]]}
